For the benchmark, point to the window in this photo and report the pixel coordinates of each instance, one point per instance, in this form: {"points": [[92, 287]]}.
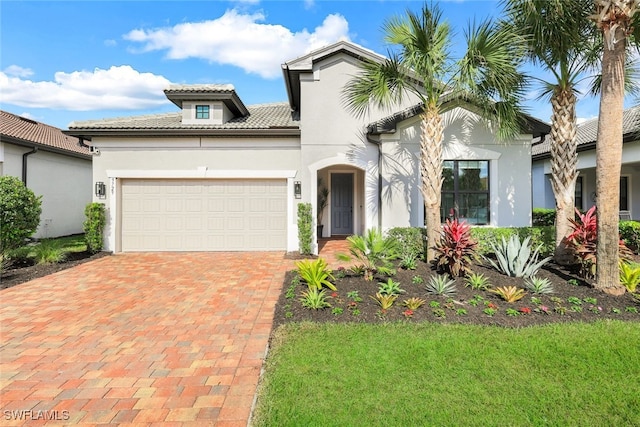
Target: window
{"points": [[202, 111], [578, 194], [624, 193], [465, 191]]}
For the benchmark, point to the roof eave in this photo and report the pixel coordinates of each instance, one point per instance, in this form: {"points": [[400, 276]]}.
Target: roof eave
{"points": [[269, 132], [43, 147]]}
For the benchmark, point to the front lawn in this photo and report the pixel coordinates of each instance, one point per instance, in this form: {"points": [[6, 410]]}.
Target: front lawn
{"points": [[410, 374]]}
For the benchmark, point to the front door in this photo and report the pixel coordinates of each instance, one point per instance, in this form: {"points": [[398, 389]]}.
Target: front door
{"points": [[341, 203]]}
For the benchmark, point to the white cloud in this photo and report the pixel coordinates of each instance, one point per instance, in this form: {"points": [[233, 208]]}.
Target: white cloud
{"points": [[119, 87], [17, 71], [240, 40]]}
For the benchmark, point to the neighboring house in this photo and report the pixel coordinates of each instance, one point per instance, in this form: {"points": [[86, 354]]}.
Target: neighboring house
{"points": [[586, 185], [53, 165], [219, 175]]}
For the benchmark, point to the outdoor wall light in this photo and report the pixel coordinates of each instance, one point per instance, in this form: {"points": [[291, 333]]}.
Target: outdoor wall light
{"points": [[297, 189], [101, 189]]}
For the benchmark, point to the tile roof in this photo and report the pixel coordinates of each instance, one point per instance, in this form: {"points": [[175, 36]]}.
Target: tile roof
{"points": [[30, 131], [588, 131], [200, 88], [262, 116]]}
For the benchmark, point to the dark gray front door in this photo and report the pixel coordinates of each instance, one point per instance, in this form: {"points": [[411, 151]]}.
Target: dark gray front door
{"points": [[341, 203]]}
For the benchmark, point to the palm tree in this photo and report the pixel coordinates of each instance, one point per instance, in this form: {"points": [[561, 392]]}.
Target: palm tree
{"points": [[560, 40], [424, 67], [619, 23]]}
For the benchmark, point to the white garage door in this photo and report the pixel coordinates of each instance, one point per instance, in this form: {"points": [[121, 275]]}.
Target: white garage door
{"points": [[203, 215]]}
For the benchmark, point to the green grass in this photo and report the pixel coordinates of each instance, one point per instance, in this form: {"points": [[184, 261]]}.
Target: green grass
{"points": [[50, 250], [430, 374]]}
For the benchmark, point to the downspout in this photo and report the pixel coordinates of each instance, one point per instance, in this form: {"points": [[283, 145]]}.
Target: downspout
{"points": [[24, 164], [379, 145], [82, 144]]}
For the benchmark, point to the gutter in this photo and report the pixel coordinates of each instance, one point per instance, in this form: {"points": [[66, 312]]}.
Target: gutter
{"points": [[24, 164], [379, 145]]}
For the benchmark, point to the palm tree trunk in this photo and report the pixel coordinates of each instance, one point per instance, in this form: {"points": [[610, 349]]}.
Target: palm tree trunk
{"points": [[564, 160], [609, 159], [432, 135]]}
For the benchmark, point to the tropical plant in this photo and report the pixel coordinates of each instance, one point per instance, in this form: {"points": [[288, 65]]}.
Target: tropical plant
{"points": [[619, 23], [629, 275], [509, 293], [390, 287], [515, 259], [410, 240], [323, 201], [538, 285], [413, 303], [408, 261], [441, 284], [423, 66], [20, 211], [456, 250], [385, 301], [94, 226], [561, 41], [315, 299], [374, 251], [583, 241], [305, 231], [477, 281], [316, 273], [49, 251]]}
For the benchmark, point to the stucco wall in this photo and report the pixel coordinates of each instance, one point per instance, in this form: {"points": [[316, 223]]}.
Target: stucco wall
{"points": [[466, 138], [64, 183]]}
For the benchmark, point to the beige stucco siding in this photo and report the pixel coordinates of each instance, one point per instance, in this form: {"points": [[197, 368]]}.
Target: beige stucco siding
{"points": [[64, 183]]}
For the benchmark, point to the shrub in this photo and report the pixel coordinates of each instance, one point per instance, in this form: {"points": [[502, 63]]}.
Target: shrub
{"points": [[540, 236], [374, 251], [515, 259], [543, 217], [20, 211], [456, 250], [629, 275], [411, 241], [49, 252], [305, 231], [94, 226], [441, 285], [485, 236], [316, 273], [630, 234]]}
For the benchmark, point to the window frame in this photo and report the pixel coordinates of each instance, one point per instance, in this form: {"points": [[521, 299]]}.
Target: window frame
{"points": [[203, 112], [458, 193]]}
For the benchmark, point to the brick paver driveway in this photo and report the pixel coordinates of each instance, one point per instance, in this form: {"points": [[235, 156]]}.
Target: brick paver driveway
{"points": [[140, 338]]}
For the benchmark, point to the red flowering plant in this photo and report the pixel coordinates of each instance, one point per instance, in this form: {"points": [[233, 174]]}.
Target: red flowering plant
{"points": [[525, 310], [456, 251], [583, 240]]}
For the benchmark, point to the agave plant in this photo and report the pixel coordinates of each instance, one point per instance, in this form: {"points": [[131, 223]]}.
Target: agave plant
{"points": [[441, 285], [515, 259], [538, 285], [456, 250], [374, 251], [316, 273]]}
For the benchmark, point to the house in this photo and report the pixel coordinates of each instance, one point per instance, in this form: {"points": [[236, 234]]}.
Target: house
{"points": [[221, 175], [586, 184], [53, 165]]}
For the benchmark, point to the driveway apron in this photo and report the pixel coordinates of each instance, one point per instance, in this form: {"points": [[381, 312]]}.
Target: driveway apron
{"points": [[169, 338]]}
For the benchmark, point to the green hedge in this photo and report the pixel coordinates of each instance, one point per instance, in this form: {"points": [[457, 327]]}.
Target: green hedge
{"points": [[305, 232], [543, 217], [630, 233], [412, 240], [544, 236]]}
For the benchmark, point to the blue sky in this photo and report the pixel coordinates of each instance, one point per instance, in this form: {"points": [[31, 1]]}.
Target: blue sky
{"points": [[81, 60]]}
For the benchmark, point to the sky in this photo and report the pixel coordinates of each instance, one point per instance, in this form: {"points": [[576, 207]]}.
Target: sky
{"points": [[65, 61]]}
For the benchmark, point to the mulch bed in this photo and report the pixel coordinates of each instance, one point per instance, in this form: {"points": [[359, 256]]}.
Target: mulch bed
{"points": [[558, 306], [23, 272]]}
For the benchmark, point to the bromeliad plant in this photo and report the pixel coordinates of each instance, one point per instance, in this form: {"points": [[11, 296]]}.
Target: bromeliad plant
{"points": [[385, 301], [316, 273], [441, 285], [315, 299], [390, 287], [456, 250], [515, 259], [509, 293], [477, 281], [374, 251], [538, 285], [629, 275]]}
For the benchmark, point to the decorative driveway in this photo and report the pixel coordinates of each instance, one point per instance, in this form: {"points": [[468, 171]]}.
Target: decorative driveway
{"points": [[169, 338]]}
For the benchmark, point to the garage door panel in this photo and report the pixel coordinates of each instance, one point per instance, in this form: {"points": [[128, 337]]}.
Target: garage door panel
{"points": [[203, 215]]}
